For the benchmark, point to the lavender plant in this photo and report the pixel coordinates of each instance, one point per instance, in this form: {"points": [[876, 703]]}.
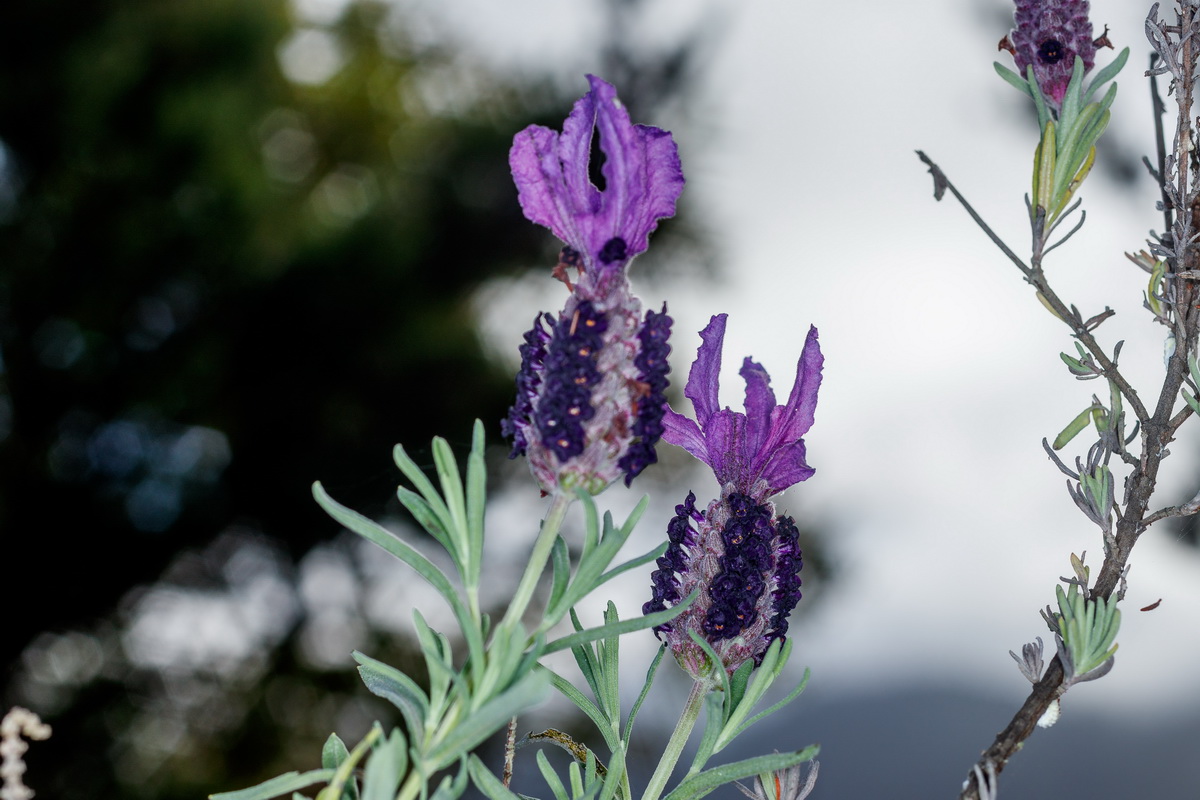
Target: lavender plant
{"points": [[1054, 50], [590, 409]]}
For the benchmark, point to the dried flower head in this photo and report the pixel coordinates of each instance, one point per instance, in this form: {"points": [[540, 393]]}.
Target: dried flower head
{"points": [[590, 391], [17, 722], [785, 784], [744, 558], [1049, 34]]}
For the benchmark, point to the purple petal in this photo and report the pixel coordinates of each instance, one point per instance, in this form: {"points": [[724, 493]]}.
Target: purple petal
{"points": [[551, 173], [725, 435], [642, 176], [683, 432], [704, 378], [802, 403], [641, 171], [786, 466], [760, 403]]}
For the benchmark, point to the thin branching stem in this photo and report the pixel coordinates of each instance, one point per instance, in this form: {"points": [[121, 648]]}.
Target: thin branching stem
{"points": [[1179, 49]]}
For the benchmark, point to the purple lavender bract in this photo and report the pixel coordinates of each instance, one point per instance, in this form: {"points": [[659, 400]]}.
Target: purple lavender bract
{"points": [[590, 393], [1048, 35], [744, 559]]}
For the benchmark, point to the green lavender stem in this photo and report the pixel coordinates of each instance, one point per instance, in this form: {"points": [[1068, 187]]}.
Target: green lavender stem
{"points": [[674, 749], [537, 559]]}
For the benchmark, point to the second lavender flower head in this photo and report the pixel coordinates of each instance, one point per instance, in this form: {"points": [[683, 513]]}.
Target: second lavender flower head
{"points": [[590, 393], [744, 559]]}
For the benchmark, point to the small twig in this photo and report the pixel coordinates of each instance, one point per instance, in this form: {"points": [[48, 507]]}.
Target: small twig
{"points": [[1182, 510], [1160, 110], [1037, 278], [941, 184], [510, 751]]}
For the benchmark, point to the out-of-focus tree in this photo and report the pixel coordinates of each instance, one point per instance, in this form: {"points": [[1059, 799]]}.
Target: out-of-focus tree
{"points": [[236, 254]]}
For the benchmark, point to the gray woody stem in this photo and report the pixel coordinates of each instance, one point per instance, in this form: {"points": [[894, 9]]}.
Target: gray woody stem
{"points": [[1157, 428]]}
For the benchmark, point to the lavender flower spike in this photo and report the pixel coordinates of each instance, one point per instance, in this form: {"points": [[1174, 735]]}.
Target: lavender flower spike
{"points": [[744, 559], [1048, 35], [762, 444], [591, 390]]}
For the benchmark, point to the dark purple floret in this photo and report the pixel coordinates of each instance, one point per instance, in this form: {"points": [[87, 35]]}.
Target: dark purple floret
{"points": [[614, 249], [529, 378], [570, 374], [665, 580], [570, 257], [738, 585], [788, 563], [651, 362]]}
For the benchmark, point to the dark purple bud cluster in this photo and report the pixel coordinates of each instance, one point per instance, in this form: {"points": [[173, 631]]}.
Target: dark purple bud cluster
{"points": [[737, 587], [529, 379], [570, 374], [788, 562], [665, 580], [746, 564], [651, 362]]}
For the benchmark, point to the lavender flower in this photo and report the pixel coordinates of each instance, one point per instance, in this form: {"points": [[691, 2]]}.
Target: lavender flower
{"points": [[745, 559], [1048, 35], [590, 392]]}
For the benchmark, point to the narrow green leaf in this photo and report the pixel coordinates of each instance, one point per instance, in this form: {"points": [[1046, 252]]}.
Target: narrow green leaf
{"points": [[417, 478], [1072, 98], [334, 752], [594, 561], [374, 532], [1107, 73], [452, 493], [703, 783], [620, 628], [476, 504], [1074, 427], [489, 718], [1043, 112], [275, 787], [385, 768], [487, 782], [737, 686], [609, 650], [716, 668], [587, 659], [425, 516], [591, 524], [1068, 138], [560, 562], [452, 789], [1192, 402], [732, 733], [551, 778], [342, 783], [590, 709], [398, 689], [714, 721], [1043, 172], [637, 704], [436, 650], [1012, 78], [614, 780], [633, 563]]}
